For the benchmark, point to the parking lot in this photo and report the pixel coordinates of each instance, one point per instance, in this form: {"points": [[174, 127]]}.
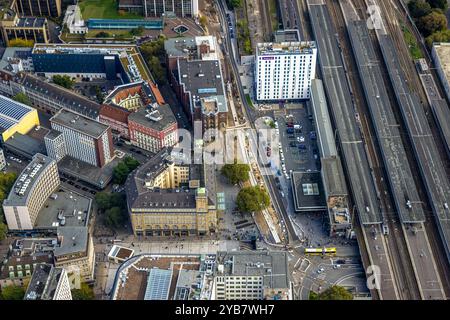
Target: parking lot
{"points": [[298, 139]]}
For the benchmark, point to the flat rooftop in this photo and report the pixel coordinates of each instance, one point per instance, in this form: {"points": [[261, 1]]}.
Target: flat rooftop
{"points": [[288, 35], [43, 283], [202, 79], [69, 205], [309, 194], [177, 271], [31, 22], [325, 132], [73, 240], [283, 48], [158, 119], [96, 176], [443, 52], [26, 180], [129, 55], [271, 265], [333, 177], [79, 123], [25, 145]]}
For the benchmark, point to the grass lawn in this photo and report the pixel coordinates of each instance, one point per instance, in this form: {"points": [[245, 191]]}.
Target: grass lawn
{"points": [[103, 9], [125, 33], [249, 100], [412, 43]]}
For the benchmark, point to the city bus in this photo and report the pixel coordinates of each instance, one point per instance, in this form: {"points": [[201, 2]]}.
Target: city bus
{"points": [[320, 252]]}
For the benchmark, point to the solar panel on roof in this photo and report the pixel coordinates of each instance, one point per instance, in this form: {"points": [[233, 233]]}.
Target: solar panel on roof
{"points": [[5, 124], [12, 109], [158, 284]]}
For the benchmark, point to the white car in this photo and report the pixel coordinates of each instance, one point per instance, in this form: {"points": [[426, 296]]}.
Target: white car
{"points": [[301, 139]]}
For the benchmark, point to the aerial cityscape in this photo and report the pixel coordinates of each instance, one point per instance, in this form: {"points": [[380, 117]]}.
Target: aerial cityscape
{"points": [[224, 150]]}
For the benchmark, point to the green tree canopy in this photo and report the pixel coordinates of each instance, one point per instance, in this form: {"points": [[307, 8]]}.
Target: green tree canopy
{"points": [[252, 199], [84, 293], [137, 31], [103, 34], [440, 36], [107, 200], [236, 172], [21, 43], [12, 293], [332, 293], [419, 8], [63, 81], [431, 23], [440, 4], [3, 229], [123, 168], [114, 217], [22, 98]]}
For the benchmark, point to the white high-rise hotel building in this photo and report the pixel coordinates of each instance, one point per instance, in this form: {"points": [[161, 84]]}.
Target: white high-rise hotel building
{"points": [[283, 71]]}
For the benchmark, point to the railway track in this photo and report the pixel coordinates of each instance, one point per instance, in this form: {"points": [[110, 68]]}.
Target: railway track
{"points": [[415, 84], [397, 247], [415, 128]]}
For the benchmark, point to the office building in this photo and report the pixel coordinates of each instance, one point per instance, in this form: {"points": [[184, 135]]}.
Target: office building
{"points": [[48, 283], [441, 58], [117, 118], [165, 277], [15, 117], [250, 275], [55, 145], [23, 256], [132, 96], [38, 8], [52, 98], [283, 71], [168, 199], [153, 128], [85, 139], [75, 252], [200, 88], [158, 8], [26, 28], [190, 48], [30, 191], [105, 61], [2, 159]]}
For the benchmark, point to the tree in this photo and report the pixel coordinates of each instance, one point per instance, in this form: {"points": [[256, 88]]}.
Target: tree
{"points": [[137, 31], [12, 293], [203, 21], [419, 8], [157, 70], [107, 200], [234, 3], [22, 98], [3, 229], [332, 293], [432, 23], [252, 199], [123, 168], [103, 34], [236, 172], [84, 293], [114, 217], [439, 4], [440, 36], [63, 81], [21, 43]]}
